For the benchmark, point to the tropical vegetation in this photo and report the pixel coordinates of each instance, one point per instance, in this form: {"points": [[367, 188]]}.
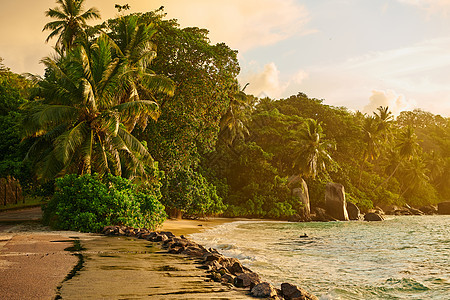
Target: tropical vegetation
{"points": [[139, 113]]}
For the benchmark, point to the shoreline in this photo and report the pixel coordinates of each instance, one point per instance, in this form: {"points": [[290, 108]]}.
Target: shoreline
{"points": [[227, 271]]}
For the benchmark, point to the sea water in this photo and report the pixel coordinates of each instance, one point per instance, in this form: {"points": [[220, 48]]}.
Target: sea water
{"points": [[404, 257]]}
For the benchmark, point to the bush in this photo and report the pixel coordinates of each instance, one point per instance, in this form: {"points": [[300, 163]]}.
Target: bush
{"points": [[190, 192], [87, 203]]}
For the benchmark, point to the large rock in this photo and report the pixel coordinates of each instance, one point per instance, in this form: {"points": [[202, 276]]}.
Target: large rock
{"points": [[291, 291], [353, 211], [335, 201], [300, 192], [264, 290], [429, 209], [320, 215], [444, 208], [373, 217], [247, 280]]}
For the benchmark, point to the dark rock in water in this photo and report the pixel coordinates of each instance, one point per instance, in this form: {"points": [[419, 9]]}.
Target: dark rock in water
{"points": [[373, 217], [233, 266], [320, 215], [335, 201], [264, 290], [247, 280], [429, 209], [444, 208], [291, 291], [353, 211]]}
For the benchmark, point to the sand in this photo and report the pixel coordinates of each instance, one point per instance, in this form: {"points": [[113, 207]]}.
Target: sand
{"points": [[185, 227], [34, 263]]}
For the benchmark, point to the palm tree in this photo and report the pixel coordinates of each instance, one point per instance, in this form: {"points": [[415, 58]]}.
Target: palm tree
{"points": [[132, 42], [384, 118], [371, 131], [232, 123], [312, 155], [70, 22], [414, 174], [407, 147], [78, 127]]}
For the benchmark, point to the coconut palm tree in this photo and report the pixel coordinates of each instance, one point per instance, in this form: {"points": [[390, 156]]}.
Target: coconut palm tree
{"points": [[385, 119], [232, 123], [78, 127], [406, 146], [132, 42], [70, 22], [371, 138], [414, 174], [312, 155]]}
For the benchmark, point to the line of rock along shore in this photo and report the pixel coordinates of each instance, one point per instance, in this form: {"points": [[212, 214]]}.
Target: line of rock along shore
{"points": [[228, 271]]}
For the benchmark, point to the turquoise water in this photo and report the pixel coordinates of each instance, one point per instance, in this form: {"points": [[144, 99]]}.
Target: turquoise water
{"points": [[405, 257]]}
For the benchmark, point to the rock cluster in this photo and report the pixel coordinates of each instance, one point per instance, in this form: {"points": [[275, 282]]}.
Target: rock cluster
{"points": [[228, 271]]}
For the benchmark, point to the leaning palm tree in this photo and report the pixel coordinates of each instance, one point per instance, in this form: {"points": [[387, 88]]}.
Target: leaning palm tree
{"points": [[311, 155], [70, 22], [79, 126]]}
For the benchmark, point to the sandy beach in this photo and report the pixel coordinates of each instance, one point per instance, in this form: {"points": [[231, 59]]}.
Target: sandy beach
{"points": [[34, 263]]}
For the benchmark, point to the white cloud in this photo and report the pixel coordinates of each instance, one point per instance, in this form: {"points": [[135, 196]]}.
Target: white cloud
{"points": [[243, 25], [418, 74], [267, 81], [396, 102], [431, 6]]}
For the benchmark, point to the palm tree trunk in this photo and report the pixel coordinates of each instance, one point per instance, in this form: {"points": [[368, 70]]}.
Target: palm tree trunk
{"points": [[387, 179]]}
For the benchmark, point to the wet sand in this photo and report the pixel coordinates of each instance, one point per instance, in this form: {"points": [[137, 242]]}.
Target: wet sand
{"points": [[129, 268], [34, 264]]}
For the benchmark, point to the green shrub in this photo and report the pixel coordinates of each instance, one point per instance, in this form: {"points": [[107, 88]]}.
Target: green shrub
{"points": [[88, 203], [190, 192]]}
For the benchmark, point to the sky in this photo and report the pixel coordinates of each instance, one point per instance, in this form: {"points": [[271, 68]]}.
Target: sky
{"points": [[354, 53]]}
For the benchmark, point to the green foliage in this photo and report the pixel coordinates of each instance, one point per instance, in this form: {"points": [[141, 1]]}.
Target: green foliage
{"points": [[13, 93], [205, 76], [87, 203], [90, 105], [190, 192]]}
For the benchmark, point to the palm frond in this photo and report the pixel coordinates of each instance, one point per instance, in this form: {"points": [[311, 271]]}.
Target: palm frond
{"points": [[42, 117], [158, 84], [134, 145], [69, 142]]}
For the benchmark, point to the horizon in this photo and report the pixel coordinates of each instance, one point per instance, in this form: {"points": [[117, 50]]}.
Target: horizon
{"points": [[356, 54]]}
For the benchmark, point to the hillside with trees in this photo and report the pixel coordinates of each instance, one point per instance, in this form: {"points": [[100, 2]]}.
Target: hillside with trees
{"points": [[155, 112]]}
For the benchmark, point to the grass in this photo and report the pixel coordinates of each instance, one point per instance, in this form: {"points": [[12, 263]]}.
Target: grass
{"points": [[29, 201]]}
